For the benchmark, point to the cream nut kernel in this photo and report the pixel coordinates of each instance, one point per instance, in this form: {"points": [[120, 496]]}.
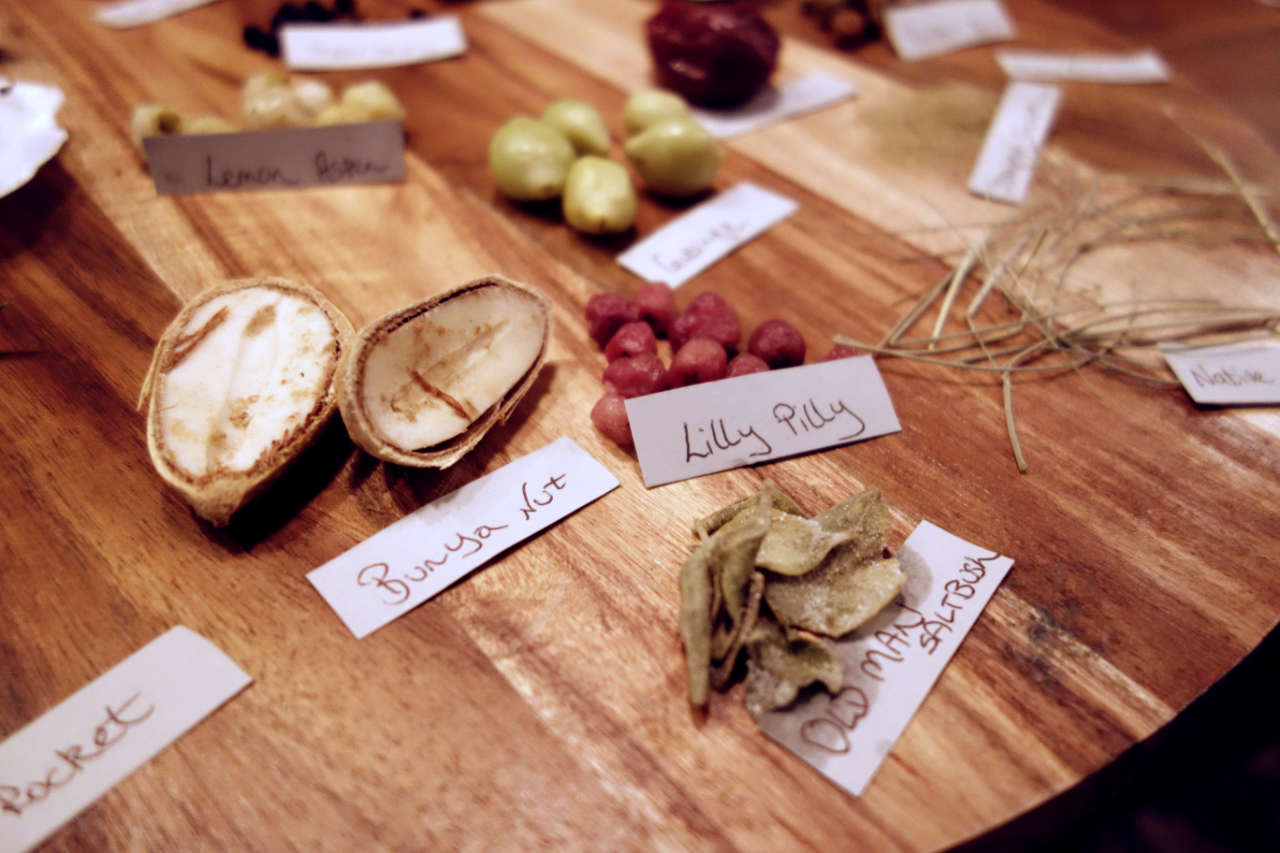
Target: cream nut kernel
{"points": [[240, 382]]}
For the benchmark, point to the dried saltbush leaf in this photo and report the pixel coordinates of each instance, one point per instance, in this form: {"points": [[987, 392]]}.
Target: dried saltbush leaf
{"points": [[839, 595], [796, 545], [779, 665], [240, 382], [709, 524], [734, 544], [744, 624], [422, 385], [695, 622]]}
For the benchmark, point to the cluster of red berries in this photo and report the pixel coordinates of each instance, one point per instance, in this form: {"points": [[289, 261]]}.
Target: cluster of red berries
{"points": [[702, 337]]}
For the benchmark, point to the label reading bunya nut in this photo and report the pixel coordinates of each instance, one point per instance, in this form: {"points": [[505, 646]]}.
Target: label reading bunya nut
{"points": [[412, 560]]}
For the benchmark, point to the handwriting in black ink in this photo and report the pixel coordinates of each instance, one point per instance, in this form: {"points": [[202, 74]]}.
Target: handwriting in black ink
{"points": [[811, 418], [71, 760], [721, 440]]}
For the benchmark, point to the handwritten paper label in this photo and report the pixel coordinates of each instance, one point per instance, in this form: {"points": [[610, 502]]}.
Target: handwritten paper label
{"points": [[715, 426], [922, 30], [80, 749], [689, 244], [1241, 374], [336, 155], [1009, 152], [775, 103], [134, 13], [339, 47], [891, 663], [403, 565], [1143, 66]]}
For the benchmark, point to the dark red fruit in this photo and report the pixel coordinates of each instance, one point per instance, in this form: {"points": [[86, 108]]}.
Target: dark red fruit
{"points": [[744, 363], [656, 305], [609, 415], [778, 343], [841, 351], [635, 338], [699, 360], [605, 313], [634, 376], [716, 54], [708, 316]]}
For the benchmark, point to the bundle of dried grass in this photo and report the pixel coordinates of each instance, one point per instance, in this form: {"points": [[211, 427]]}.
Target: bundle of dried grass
{"points": [[1055, 322]]}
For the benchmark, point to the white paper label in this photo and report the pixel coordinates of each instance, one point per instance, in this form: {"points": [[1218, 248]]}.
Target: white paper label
{"points": [[80, 749], [715, 426], [135, 13], [775, 103], [334, 155], [922, 30], [339, 47], [891, 663], [689, 244], [1241, 374], [1143, 66], [1009, 152], [403, 565]]}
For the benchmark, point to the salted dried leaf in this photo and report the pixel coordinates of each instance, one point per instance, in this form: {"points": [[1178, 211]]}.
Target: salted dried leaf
{"points": [[724, 632], [695, 622], [422, 385], [838, 596], [709, 524], [240, 382], [734, 544], [734, 548], [743, 626], [796, 545], [779, 666]]}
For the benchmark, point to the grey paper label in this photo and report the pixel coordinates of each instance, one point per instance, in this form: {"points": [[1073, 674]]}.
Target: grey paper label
{"points": [[336, 155]]}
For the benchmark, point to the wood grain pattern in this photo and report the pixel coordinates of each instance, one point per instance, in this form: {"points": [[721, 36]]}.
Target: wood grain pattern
{"points": [[540, 703]]}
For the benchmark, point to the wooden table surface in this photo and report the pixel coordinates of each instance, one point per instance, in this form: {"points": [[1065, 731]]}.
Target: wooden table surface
{"points": [[540, 703]]}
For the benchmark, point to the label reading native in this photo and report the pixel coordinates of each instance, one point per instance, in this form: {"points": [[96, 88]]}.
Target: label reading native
{"points": [[292, 158], [403, 565], [1233, 374], [731, 423], [84, 746], [689, 244]]}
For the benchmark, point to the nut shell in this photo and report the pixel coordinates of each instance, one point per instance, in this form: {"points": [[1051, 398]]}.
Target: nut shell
{"points": [[374, 391]]}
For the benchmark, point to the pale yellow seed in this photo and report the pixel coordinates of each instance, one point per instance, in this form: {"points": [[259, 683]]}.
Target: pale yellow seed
{"points": [[675, 157], [530, 159], [153, 120], [650, 106], [599, 197], [581, 123]]}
